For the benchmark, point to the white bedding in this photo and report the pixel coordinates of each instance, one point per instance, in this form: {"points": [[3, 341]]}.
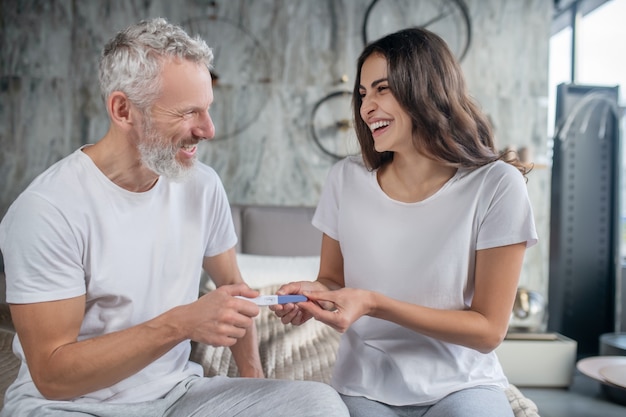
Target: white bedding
{"points": [[262, 271]]}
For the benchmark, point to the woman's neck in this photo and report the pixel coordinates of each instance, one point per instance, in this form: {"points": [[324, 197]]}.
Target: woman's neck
{"points": [[413, 179]]}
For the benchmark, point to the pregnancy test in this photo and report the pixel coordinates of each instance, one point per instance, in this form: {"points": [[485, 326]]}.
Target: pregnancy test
{"points": [[270, 300]]}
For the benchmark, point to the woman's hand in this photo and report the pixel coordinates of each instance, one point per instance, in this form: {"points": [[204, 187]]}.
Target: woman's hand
{"points": [[291, 312], [349, 304]]}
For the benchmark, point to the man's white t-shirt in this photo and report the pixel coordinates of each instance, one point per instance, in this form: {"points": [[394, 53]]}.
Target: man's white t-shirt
{"points": [[422, 253], [134, 256]]}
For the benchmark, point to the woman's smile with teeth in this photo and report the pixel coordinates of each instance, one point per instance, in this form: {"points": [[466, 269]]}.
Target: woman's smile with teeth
{"points": [[379, 124]]}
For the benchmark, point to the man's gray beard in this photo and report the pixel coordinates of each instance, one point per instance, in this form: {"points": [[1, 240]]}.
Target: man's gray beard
{"points": [[160, 157]]}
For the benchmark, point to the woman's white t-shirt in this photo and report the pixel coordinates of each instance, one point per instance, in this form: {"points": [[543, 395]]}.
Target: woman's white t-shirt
{"points": [[422, 253]]}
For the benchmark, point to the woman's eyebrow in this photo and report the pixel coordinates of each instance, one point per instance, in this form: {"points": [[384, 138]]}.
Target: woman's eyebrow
{"points": [[375, 83]]}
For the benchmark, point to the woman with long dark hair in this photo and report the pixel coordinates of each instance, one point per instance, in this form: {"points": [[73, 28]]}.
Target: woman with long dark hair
{"points": [[424, 237]]}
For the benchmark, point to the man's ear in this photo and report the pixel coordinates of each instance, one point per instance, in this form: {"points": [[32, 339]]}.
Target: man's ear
{"points": [[120, 109]]}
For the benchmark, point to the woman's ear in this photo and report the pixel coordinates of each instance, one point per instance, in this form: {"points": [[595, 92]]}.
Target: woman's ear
{"points": [[119, 108]]}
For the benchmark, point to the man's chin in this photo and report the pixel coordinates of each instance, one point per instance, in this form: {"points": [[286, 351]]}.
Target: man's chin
{"points": [[182, 174], [174, 172]]}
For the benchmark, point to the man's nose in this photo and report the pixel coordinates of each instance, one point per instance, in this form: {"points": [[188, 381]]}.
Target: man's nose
{"points": [[205, 128]]}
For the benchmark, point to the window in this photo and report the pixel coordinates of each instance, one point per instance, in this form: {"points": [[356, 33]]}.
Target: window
{"points": [[600, 57], [600, 60]]}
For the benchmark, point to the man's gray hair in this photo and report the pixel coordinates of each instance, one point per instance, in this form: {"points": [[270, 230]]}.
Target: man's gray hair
{"points": [[131, 62]]}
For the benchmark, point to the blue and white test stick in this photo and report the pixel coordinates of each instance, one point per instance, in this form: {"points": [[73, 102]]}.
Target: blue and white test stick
{"points": [[270, 300]]}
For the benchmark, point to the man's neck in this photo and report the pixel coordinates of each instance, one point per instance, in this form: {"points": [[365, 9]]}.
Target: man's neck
{"points": [[118, 158]]}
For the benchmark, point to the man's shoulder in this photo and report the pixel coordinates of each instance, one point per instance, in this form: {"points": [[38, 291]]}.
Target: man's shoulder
{"points": [[205, 170], [202, 179], [59, 175], [203, 176]]}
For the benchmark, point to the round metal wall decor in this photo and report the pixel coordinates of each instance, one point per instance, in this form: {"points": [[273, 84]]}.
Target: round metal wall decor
{"points": [[332, 127], [449, 19], [241, 69]]}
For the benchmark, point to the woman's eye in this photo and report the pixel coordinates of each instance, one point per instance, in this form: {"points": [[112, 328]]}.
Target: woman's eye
{"points": [[382, 88]]}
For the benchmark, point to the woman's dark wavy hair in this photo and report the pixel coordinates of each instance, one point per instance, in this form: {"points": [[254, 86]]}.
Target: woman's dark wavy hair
{"points": [[427, 82]]}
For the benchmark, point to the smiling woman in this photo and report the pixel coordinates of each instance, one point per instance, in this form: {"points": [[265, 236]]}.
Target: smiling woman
{"points": [[423, 240]]}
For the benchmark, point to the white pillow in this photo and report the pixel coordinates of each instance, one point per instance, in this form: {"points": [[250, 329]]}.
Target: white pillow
{"points": [[261, 271]]}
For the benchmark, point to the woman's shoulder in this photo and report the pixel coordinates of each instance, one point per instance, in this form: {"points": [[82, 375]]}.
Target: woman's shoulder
{"points": [[492, 176], [499, 169], [350, 163], [349, 167]]}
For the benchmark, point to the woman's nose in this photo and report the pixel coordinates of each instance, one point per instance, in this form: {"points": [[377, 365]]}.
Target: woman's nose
{"points": [[367, 106]]}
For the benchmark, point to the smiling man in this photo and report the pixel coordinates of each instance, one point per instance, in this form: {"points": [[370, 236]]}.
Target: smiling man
{"points": [[103, 255]]}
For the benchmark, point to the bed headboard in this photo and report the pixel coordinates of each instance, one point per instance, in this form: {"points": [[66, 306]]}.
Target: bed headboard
{"points": [[277, 244], [276, 230]]}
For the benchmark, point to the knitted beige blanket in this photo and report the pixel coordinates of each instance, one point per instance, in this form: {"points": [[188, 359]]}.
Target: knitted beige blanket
{"points": [[305, 352]]}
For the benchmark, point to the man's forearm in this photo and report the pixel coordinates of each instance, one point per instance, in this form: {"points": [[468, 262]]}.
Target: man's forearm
{"points": [[246, 355], [78, 368]]}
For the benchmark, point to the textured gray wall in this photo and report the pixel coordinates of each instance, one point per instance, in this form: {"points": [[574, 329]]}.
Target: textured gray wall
{"points": [[276, 59]]}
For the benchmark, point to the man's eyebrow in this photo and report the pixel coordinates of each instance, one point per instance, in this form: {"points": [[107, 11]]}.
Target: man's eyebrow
{"points": [[375, 82]]}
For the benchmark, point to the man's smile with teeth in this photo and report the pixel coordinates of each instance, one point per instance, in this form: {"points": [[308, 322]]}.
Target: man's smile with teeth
{"points": [[379, 124]]}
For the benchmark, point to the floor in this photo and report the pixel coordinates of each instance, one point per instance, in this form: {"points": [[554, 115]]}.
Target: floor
{"points": [[584, 398]]}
